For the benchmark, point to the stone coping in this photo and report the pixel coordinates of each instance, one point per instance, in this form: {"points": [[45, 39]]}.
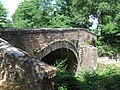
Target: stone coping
{"points": [[43, 30]]}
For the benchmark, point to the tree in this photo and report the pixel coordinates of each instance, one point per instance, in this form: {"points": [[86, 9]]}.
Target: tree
{"points": [[3, 15], [33, 14], [59, 21], [110, 30], [108, 14], [41, 14], [8, 24], [73, 13]]}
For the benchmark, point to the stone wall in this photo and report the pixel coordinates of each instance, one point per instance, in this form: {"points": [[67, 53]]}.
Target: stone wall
{"points": [[89, 57], [39, 41], [32, 40], [19, 67]]}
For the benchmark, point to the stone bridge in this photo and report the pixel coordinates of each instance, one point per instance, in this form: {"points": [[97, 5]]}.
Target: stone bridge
{"points": [[76, 45]]}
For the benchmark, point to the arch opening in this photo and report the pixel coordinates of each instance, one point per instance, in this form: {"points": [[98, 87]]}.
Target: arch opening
{"points": [[62, 54]]}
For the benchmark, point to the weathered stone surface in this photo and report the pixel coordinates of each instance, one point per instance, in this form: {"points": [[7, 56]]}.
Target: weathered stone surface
{"points": [[89, 57], [32, 40], [40, 42], [18, 66]]}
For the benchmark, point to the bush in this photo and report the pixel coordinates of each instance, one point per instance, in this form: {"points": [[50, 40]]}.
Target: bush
{"points": [[107, 78]]}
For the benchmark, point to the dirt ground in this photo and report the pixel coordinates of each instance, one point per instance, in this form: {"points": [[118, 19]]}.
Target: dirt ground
{"points": [[107, 61]]}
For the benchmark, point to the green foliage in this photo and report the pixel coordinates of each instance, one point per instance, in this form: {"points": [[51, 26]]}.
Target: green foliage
{"points": [[108, 14], [104, 78], [3, 15], [106, 50], [60, 65], [60, 21], [80, 12], [8, 23], [39, 14], [31, 14], [108, 42], [74, 13]]}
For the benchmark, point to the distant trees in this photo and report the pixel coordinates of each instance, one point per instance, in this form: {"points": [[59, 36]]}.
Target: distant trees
{"points": [[3, 15], [108, 14], [109, 20], [38, 14], [74, 13], [31, 14], [4, 22]]}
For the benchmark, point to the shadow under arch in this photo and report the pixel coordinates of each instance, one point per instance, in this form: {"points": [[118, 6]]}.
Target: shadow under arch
{"points": [[60, 50]]}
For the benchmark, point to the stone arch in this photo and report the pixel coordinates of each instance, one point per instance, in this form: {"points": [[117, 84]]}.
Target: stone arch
{"points": [[60, 50]]}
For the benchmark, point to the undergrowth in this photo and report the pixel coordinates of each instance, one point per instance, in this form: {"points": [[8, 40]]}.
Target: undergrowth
{"points": [[104, 78]]}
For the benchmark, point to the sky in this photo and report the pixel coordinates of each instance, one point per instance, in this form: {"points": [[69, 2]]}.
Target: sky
{"points": [[94, 22], [11, 6]]}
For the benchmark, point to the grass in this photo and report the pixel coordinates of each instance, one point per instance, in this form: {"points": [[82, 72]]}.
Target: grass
{"points": [[104, 78]]}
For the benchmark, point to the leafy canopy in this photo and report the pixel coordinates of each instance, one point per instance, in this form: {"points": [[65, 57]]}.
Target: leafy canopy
{"points": [[39, 14], [3, 15], [74, 13]]}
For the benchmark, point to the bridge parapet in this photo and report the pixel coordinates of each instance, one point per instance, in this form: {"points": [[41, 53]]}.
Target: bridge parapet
{"points": [[31, 40], [35, 40]]}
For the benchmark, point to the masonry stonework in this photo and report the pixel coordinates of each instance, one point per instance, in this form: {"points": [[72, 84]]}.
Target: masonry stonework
{"points": [[40, 42], [20, 68]]}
